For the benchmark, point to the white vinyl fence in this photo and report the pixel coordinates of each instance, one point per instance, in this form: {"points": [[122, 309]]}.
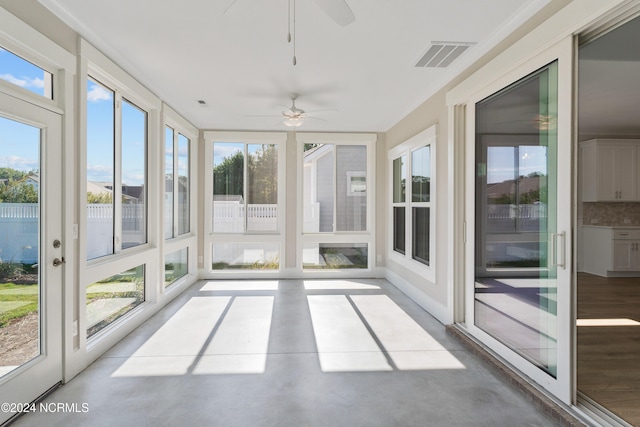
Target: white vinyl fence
{"points": [[229, 217], [19, 230]]}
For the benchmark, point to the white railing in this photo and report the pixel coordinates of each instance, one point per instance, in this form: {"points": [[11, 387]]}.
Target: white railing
{"points": [[19, 210], [19, 229], [516, 211], [229, 217]]}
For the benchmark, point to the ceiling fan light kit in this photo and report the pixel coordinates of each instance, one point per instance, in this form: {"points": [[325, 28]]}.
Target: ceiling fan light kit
{"points": [[291, 122]]}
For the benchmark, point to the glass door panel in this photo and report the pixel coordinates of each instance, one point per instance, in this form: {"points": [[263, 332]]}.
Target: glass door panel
{"points": [[30, 276], [19, 244], [515, 279]]}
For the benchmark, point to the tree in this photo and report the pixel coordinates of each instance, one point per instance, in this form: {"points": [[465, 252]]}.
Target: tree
{"points": [[18, 192], [15, 189], [228, 177], [263, 174], [12, 174], [99, 198]]}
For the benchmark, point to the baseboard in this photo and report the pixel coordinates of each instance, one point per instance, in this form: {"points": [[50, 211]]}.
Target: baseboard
{"points": [[441, 312]]}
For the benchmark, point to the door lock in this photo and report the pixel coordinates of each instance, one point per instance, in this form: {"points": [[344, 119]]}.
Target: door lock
{"points": [[56, 244], [57, 262]]}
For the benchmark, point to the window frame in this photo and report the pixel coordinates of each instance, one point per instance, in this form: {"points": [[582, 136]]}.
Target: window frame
{"points": [[93, 64], [246, 236], [188, 240], [367, 236], [178, 130], [406, 149], [25, 42], [120, 97]]}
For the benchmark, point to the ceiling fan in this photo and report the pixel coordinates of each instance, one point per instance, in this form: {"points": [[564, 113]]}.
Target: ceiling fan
{"points": [[338, 10], [294, 116]]}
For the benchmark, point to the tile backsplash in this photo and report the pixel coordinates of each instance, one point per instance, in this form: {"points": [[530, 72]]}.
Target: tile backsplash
{"points": [[614, 213]]}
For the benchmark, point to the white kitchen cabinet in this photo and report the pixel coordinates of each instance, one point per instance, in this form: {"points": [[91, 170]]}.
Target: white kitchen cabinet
{"points": [[610, 170], [611, 251], [625, 255]]}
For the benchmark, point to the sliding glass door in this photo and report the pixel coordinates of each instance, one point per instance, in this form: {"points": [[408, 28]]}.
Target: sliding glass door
{"points": [[520, 212]]}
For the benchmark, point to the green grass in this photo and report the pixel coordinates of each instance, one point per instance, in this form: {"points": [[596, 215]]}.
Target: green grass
{"points": [[17, 301]]}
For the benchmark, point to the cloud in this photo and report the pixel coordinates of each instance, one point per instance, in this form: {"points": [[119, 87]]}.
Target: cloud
{"points": [[98, 93], [99, 173], [133, 177], [25, 82], [183, 151], [19, 163], [225, 150]]}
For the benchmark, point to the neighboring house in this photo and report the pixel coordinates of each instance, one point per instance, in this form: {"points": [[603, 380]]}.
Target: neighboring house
{"points": [[130, 193], [338, 187], [33, 180]]}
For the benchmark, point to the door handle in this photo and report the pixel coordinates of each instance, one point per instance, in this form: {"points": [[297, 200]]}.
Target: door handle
{"points": [[556, 248], [57, 262]]}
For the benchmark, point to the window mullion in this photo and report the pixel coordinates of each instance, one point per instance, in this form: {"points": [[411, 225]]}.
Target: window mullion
{"points": [[408, 212], [117, 175], [176, 185], [335, 187], [245, 183]]}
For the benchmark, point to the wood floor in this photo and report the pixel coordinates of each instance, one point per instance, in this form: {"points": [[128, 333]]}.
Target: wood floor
{"points": [[609, 356]]}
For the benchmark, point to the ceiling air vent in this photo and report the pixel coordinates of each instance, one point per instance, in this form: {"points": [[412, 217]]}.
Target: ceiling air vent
{"points": [[441, 54]]}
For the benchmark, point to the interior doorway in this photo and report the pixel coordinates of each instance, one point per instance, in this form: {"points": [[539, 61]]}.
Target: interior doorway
{"points": [[608, 250]]}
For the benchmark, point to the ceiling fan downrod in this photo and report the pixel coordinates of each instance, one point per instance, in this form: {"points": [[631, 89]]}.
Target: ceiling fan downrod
{"points": [[290, 20]]}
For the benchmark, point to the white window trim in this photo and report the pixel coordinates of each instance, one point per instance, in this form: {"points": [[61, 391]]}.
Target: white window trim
{"points": [[356, 174], [94, 64], [188, 240], [181, 127], [422, 139], [277, 236], [368, 236], [24, 41], [97, 66]]}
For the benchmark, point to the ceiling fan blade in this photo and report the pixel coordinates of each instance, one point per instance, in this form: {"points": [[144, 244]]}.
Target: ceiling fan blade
{"points": [[228, 5], [338, 10], [320, 111], [316, 118]]}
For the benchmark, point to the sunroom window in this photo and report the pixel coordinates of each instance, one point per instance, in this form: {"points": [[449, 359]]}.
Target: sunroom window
{"points": [[412, 210], [24, 74], [247, 200]]}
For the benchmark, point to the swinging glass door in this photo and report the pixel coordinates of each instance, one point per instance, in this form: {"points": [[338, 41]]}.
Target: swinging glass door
{"points": [[519, 215], [31, 259]]}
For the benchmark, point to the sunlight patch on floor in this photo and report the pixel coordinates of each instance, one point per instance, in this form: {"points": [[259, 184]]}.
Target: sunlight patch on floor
{"points": [[334, 285], [198, 339], [607, 322], [241, 285]]}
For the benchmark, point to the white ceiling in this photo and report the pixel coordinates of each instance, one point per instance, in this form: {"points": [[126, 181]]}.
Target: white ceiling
{"points": [[240, 63]]}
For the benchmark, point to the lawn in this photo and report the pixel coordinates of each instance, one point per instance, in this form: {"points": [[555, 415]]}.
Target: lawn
{"points": [[17, 301]]}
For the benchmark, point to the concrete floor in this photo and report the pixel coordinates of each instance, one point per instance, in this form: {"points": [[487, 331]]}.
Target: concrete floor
{"points": [[290, 353]]}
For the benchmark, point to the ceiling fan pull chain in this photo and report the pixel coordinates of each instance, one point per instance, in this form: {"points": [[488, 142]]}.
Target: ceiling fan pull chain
{"points": [[294, 32], [289, 23]]}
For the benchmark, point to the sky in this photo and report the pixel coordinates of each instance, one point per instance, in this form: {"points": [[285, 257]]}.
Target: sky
{"points": [[19, 143], [222, 150], [501, 162]]}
